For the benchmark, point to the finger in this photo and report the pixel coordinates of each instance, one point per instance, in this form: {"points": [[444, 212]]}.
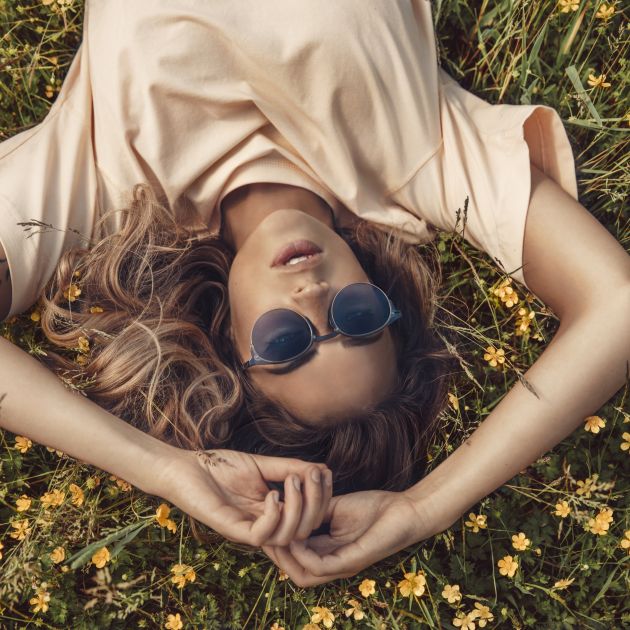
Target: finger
{"points": [[264, 526], [341, 561], [301, 575], [278, 468], [291, 513], [270, 550], [312, 503], [327, 490]]}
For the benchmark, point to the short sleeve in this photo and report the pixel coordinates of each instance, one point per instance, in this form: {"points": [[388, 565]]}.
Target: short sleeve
{"points": [[48, 181], [485, 156]]}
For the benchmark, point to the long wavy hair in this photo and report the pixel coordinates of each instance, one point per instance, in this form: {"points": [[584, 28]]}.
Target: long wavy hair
{"points": [[153, 312]]}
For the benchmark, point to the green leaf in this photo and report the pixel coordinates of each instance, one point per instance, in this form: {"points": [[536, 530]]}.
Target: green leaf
{"points": [[574, 77], [123, 535]]}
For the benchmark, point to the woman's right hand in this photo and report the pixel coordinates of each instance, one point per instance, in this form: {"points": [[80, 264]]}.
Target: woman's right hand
{"points": [[365, 527], [226, 490]]}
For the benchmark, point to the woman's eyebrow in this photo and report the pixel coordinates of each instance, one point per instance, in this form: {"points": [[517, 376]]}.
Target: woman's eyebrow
{"points": [[346, 342]]}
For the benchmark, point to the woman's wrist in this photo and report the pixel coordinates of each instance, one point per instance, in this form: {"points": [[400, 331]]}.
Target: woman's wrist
{"points": [[436, 512]]}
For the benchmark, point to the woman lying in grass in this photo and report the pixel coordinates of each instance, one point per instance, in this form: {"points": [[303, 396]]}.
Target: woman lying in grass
{"points": [[291, 158]]}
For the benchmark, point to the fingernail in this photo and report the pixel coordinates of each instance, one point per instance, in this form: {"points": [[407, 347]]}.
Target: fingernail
{"points": [[276, 497], [329, 477], [296, 482], [315, 475]]}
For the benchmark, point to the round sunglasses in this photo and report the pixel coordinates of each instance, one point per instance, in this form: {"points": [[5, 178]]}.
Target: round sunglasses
{"points": [[360, 309]]}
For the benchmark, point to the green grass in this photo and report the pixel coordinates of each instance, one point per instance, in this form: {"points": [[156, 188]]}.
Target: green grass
{"points": [[508, 52]]}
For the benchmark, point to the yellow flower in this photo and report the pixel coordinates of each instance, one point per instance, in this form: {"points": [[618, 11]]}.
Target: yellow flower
{"points": [[311, 626], [568, 5], [355, 608], [624, 544], [1, 548], [77, 495], [125, 486], [83, 344], [451, 593], [36, 316], [601, 523], [21, 529], [101, 557], [493, 356], [322, 615], [464, 621], [58, 554], [367, 588], [562, 509], [277, 626], [599, 81], [22, 443], [40, 601], [562, 584], [161, 516], [520, 542], [174, 622], [413, 583], [54, 498], [96, 309], [72, 292], [483, 614], [453, 400], [605, 12], [605, 515], [476, 522], [282, 575], [506, 293], [524, 321], [625, 444], [182, 573], [507, 566], [54, 450], [588, 486], [23, 503], [594, 424]]}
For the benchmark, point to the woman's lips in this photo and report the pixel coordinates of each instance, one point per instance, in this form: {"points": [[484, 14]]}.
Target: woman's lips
{"points": [[297, 248]]}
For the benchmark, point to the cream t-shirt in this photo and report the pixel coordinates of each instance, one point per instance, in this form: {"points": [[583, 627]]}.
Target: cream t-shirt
{"points": [[344, 98]]}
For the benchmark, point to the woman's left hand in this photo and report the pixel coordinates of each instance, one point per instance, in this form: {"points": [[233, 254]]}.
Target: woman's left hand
{"points": [[365, 527], [227, 490]]}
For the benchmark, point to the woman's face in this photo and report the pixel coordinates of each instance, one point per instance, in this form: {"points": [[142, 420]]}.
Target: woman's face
{"points": [[341, 377]]}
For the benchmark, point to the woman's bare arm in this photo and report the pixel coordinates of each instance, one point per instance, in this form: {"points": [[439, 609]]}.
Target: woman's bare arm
{"points": [[574, 265], [35, 403]]}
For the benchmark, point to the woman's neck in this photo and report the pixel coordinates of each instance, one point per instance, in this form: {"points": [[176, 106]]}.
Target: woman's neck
{"points": [[245, 207]]}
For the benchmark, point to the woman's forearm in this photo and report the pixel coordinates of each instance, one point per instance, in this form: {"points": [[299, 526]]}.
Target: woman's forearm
{"points": [[583, 366], [35, 403]]}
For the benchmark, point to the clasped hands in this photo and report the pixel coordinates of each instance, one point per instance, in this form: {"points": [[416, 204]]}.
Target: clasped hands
{"points": [[227, 490]]}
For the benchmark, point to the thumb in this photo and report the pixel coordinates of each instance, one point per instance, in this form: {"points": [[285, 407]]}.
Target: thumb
{"points": [[330, 510], [278, 468]]}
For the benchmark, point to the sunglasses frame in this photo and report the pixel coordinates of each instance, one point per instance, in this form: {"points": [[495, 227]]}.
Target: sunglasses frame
{"points": [[256, 359]]}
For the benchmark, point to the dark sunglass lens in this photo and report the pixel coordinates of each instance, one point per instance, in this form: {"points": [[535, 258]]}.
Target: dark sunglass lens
{"points": [[360, 309], [280, 335]]}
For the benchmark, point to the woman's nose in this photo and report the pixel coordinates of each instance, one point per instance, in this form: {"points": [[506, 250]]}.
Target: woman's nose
{"points": [[313, 300]]}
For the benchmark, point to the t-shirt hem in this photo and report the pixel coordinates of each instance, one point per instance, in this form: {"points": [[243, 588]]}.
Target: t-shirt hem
{"points": [[16, 246]]}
